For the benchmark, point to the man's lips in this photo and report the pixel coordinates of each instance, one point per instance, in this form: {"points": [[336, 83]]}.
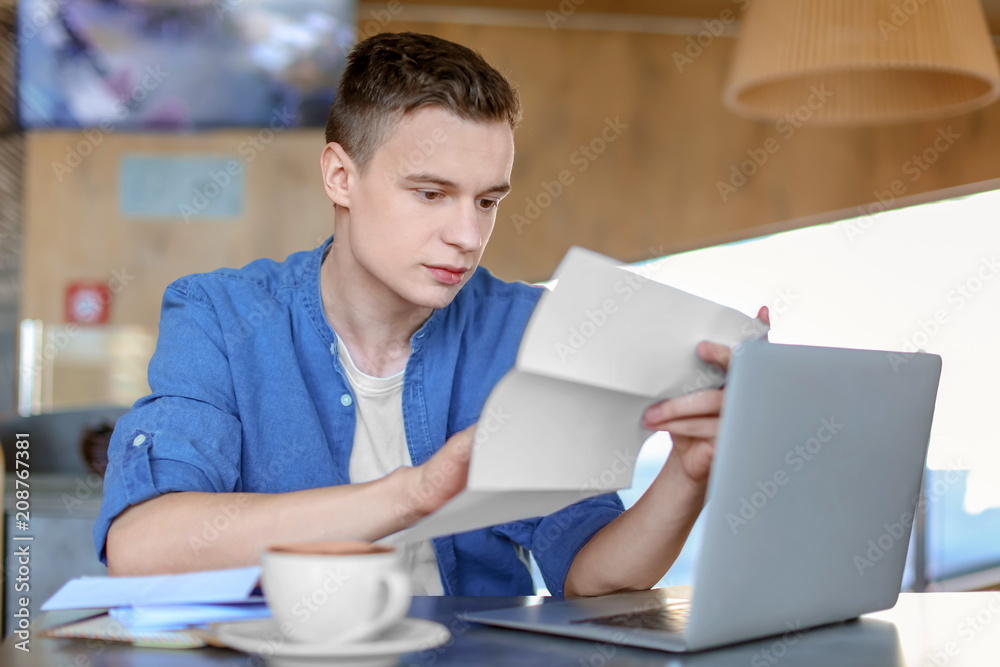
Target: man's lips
{"points": [[447, 274]]}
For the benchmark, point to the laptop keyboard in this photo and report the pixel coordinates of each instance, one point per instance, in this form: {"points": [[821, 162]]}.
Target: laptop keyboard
{"points": [[671, 617]]}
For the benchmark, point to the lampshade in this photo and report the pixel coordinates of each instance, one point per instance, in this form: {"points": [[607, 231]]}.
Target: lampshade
{"points": [[854, 62]]}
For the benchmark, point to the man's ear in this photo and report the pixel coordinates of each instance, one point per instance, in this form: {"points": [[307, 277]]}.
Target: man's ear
{"points": [[338, 174]]}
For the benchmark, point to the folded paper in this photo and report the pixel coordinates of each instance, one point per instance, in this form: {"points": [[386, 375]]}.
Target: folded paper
{"points": [[601, 346]]}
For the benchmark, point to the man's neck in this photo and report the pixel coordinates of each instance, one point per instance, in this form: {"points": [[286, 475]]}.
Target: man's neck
{"points": [[374, 322]]}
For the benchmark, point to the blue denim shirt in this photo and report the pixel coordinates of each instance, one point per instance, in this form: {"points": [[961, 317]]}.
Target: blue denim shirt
{"points": [[248, 396]]}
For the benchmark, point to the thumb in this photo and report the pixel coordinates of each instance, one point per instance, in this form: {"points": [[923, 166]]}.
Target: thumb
{"points": [[764, 315], [465, 440], [459, 445]]}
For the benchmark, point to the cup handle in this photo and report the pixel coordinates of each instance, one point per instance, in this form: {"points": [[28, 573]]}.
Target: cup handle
{"points": [[396, 605]]}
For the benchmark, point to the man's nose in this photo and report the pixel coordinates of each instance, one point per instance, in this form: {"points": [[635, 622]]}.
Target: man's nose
{"points": [[462, 229]]}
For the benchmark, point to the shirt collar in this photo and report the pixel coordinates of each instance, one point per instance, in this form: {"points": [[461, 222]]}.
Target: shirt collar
{"points": [[315, 299]]}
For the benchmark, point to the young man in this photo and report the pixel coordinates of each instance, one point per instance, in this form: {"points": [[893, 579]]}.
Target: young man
{"points": [[334, 395]]}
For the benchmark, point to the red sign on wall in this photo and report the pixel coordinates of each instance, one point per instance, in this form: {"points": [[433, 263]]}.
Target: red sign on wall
{"points": [[88, 302]]}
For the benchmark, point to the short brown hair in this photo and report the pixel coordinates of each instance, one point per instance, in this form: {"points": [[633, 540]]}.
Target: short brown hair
{"points": [[391, 74]]}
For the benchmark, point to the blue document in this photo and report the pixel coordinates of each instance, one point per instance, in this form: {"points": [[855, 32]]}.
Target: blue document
{"points": [[212, 586]]}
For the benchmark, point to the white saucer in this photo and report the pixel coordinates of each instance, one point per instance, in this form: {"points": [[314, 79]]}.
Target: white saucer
{"points": [[263, 637]]}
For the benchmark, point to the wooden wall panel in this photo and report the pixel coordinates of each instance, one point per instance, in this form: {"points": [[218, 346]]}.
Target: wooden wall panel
{"points": [[653, 190], [657, 185], [75, 229], [676, 8]]}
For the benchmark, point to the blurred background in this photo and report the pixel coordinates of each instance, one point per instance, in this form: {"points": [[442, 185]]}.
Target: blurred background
{"points": [[840, 166]]}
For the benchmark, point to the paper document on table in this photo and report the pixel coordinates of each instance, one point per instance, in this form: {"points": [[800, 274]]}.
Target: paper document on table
{"points": [[602, 346], [212, 586]]}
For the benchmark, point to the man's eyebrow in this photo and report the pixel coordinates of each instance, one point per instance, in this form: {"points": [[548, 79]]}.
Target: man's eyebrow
{"points": [[501, 188], [431, 178]]}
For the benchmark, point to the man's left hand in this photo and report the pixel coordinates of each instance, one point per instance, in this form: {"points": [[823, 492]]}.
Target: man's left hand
{"points": [[693, 420]]}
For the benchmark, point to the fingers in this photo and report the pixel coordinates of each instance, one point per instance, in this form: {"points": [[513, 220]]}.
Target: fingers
{"points": [[702, 428], [446, 473], [714, 353], [459, 446], [699, 404], [464, 441]]}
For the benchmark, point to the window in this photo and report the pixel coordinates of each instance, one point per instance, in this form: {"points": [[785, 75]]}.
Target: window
{"points": [[923, 277]]}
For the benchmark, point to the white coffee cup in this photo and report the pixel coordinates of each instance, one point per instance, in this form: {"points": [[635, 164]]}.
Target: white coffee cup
{"points": [[334, 592]]}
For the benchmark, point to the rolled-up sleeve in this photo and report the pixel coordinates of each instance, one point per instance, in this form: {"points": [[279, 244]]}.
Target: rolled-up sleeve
{"points": [[554, 540], [186, 435]]}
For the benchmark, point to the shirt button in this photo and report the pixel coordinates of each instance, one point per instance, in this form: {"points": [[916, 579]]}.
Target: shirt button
{"points": [[346, 400], [139, 439]]}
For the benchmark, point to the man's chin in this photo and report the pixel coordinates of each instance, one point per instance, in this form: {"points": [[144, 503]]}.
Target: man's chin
{"points": [[436, 297], [440, 301]]}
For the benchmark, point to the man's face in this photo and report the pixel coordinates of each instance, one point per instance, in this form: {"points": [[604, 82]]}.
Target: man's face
{"points": [[421, 215]]}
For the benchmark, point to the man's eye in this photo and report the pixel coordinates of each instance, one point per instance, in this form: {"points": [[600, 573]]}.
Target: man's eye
{"points": [[488, 203], [429, 195]]}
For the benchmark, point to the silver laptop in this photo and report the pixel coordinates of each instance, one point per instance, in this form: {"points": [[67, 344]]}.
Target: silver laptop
{"points": [[817, 473]]}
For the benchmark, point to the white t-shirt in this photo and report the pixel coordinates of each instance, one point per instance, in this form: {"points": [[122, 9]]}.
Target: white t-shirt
{"points": [[379, 448]]}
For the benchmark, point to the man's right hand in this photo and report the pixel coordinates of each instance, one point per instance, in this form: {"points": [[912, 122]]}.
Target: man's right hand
{"points": [[167, 533], [439, 479]]}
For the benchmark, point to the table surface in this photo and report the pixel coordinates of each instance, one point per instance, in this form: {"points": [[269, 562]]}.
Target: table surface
{"points": [[922, 630]]}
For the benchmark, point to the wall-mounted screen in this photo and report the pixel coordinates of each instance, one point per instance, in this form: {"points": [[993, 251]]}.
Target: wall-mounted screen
{"points": [[180, 64]]}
